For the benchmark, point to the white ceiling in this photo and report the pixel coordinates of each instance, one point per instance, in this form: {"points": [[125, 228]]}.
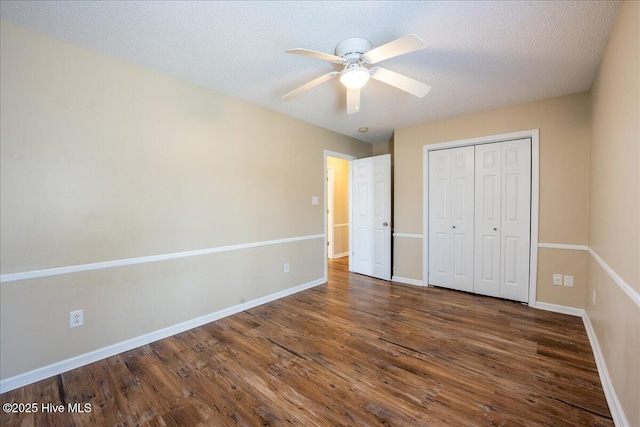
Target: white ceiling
{"points": [[480, 54]]}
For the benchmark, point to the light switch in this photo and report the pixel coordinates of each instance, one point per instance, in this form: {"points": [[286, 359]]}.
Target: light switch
{"points": [[314, 200], [568, 280], [557, 279]]}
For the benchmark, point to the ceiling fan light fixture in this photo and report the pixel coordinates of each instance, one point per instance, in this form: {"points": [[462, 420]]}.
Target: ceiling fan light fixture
{"points": [[356, 54], [355, 77]]}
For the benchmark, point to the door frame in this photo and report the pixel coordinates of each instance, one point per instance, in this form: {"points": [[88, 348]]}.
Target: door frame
{"points": [[330, 220], [534, 134], [348, 157]]}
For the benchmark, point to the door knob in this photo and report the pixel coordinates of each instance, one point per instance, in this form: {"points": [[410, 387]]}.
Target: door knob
{"points": [[385, 224], [454, 226], [495, 229]]}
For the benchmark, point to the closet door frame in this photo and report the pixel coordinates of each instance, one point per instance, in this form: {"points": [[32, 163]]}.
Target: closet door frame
{"points": [[535, 194]]}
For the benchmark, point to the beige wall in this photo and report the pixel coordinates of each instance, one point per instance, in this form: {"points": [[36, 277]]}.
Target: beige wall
{"points": [[568, 262], [380, 148], [614, 227], [564, 181], [614, 208], [103, 160], [340, 204]]}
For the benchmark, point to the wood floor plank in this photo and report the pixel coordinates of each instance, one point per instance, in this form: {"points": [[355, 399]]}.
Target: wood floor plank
{"points": [[356, 351]]}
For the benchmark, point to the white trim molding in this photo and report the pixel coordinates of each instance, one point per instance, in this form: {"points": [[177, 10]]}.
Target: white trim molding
{"points": [[534, 135], [340, 225], [407, 281], [615, 407], [563, 309], [617, 413], [342, 255], [563, 246], [35, 274], [626, 288], [408, 235], [39, 374]]}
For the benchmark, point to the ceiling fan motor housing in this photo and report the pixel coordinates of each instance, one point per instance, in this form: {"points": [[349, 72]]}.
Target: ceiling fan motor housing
{"points": [[353, 48]]}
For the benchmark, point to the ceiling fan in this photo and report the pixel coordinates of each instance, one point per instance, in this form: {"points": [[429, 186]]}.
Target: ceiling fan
{"points": [[356, 54]]}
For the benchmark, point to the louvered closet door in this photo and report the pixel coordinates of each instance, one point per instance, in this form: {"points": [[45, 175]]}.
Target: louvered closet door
{"points": [[503, 219], [451, 218]]}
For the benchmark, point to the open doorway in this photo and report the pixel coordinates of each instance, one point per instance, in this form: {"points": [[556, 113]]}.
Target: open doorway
{"points": [[337, 207], [331, 171]]}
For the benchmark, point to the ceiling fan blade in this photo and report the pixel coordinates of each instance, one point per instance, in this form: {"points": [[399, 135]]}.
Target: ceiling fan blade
{"points": [[353, 101], [400, 81], [397, 47], [313, 83], [316, 54]]}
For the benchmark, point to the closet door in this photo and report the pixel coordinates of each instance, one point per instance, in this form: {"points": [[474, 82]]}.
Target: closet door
{"points": [[503, 219], [515, 235], [439, 218], [451, 205], [487, 219]]}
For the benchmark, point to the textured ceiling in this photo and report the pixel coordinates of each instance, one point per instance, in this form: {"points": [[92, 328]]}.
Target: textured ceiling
{"points": [[479, 55]]}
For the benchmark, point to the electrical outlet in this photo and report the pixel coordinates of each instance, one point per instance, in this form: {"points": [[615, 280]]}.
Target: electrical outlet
{"points": [[286, 267], [593, 298], [568, 281], [557, 280], [76, 318]]}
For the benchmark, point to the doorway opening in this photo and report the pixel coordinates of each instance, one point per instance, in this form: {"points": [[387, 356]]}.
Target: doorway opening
{"points": [[337, 190]]}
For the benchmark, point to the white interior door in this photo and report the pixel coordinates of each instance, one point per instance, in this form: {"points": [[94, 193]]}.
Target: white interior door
{"points": [[371, 216], [516, 220], [487, 230], [439, 217], [451, 223], [503, 219]]}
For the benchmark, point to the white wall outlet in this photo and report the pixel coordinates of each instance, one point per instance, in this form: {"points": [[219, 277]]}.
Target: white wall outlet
{"points": [[286, 267], [76, 318], [568, 281], [593, 298], [314, 200], [557, 280]]}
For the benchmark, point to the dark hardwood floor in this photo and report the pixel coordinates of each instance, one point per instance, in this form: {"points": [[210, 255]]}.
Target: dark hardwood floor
{"points": [[356, 351]]}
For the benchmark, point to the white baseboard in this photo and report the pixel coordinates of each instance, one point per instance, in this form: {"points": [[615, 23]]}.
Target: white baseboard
{"points": [[93, 356], [617, 413], [342, 255], [407, 281], [560, 308]]}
